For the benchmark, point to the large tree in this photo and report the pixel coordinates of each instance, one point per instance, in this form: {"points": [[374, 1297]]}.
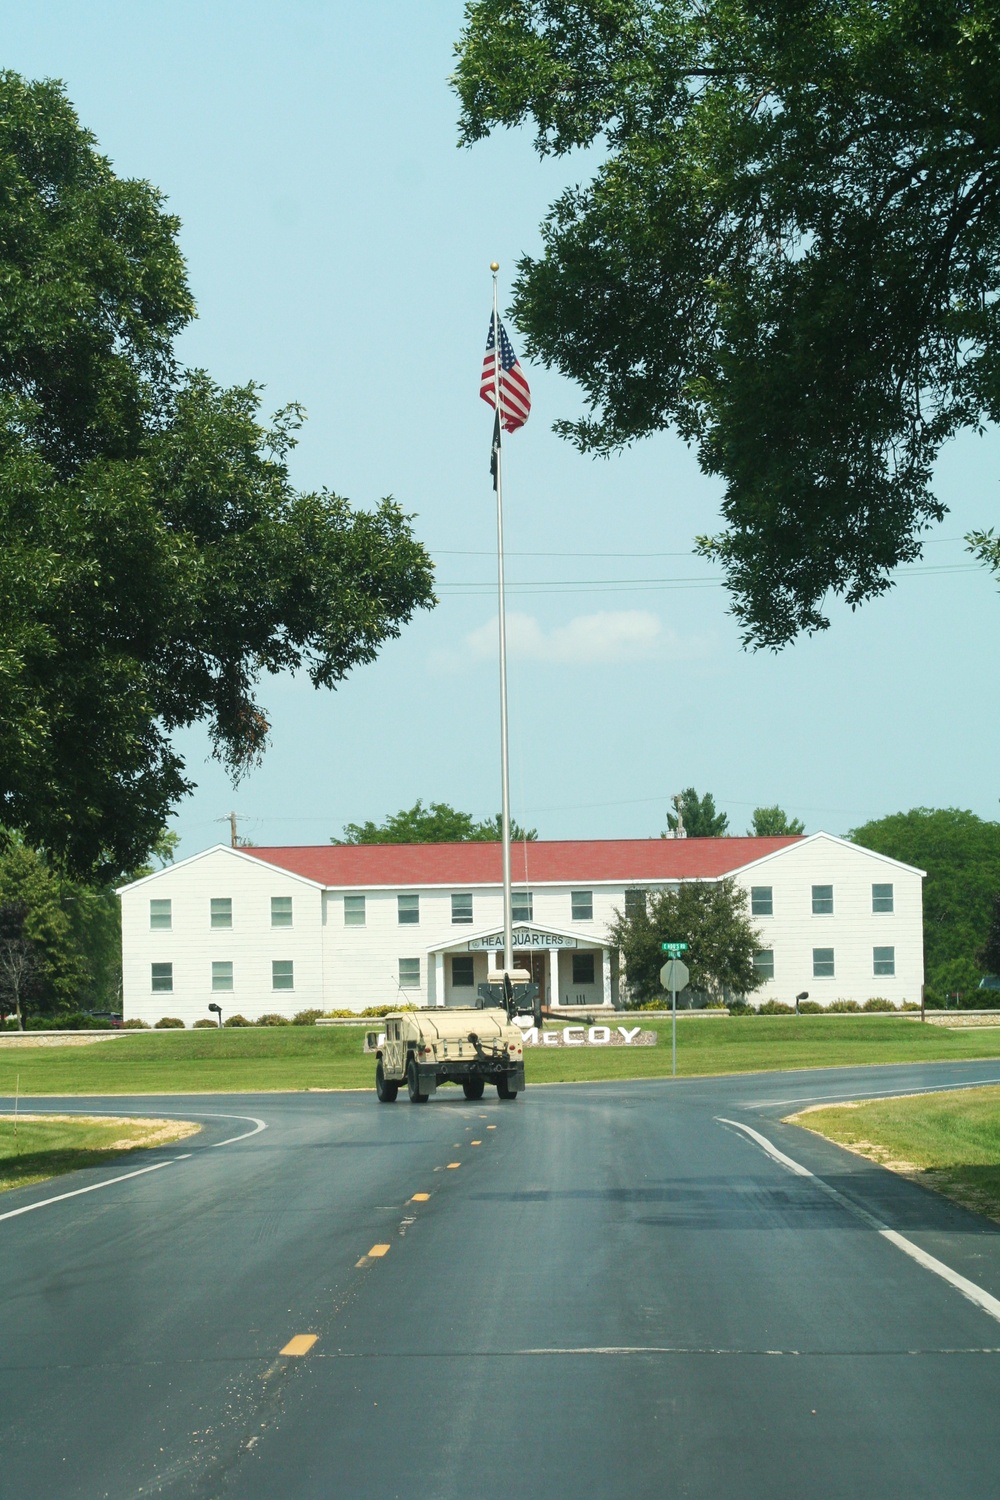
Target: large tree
{"points": [[71, 926], [437, 823], [696, 816], [711, 918], [961, 854], [155, 558], [769, 821], [789, 251], [22, 966]]}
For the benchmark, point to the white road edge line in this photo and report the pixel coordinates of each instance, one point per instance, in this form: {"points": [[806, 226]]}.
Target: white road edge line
{"points": [[94, 1186], [888, 1093], [181, 1114], [969, 1289], [28, 1208]]}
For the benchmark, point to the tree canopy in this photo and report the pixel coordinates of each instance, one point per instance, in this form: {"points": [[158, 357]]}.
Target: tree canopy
{"points": [[789, 251], [437, 823], [72, 929], [155, 558], [697, 815], [961, 854], [711, 918], [770, 822]]}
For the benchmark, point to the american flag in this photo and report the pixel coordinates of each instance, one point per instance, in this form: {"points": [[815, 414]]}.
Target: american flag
{"points": [[515, 397]]}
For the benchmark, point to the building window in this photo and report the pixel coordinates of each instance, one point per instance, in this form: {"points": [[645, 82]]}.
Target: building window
{"points": [[409, 910], [884, 961], [462, 970], [823, 963], [162, 979], [583, 968], [822, 900], [763, 963], [222, 911], [282, 974], [281, 911], [635, 902], [409, 973], [761, 901], [582, 906], [882, 898], [521, 905], [461, 906], [160, 916], [222, 976], [354, 911]]}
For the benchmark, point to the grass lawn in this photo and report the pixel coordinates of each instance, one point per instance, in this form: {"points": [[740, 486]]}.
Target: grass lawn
{"points": [[252, 1059], [46, 1146], [949, 1142]]}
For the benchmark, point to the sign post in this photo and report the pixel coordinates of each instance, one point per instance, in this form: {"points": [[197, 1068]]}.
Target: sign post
{"points": [[674, 976]]}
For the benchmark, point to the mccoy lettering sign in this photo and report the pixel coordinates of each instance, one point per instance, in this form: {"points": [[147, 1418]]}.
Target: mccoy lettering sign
{"points": [[590, 1036], [524, 937]]}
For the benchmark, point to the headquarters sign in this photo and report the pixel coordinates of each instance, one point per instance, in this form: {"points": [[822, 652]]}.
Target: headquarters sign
{"points": [[524, 937]]}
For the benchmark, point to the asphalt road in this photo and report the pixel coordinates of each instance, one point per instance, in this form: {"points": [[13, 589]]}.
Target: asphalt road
{"points": [[612, 1294]]}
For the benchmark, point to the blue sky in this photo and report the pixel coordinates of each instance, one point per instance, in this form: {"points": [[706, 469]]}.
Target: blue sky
{"points": [[338, 244]]}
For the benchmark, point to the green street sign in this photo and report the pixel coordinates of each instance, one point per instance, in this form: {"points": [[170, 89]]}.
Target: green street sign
{"points": [[673, 947]]}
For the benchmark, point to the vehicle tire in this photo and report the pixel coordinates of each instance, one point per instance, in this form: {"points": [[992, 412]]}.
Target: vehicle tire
{"points": [[385, 1090], [473, 1088], [412, 1086], [504, 1089]]}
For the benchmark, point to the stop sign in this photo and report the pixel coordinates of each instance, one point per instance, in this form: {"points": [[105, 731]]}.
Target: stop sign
{"points": [[674, 975]]}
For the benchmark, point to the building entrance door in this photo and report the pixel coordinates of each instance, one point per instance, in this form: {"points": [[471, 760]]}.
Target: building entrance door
{"points": [[535, 963]]}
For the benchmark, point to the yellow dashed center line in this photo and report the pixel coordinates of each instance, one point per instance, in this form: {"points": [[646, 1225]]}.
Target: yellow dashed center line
{"points": [[475, 1143], [491, 1127], [378, 1250], [300, 1344], [420, 1198], [453, 1164]]}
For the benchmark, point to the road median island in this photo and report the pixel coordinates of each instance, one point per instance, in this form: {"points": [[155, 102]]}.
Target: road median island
{"points": [[287, 1059], [35, 1147], [948, 1142]]}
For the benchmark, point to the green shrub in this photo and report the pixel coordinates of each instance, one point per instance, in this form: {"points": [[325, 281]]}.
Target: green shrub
{"points": [[198, 1025], [306, 1017], [237, 1020], [776, 1008], [136, 1025], [740, 1008], [910, 1005], [810, 1008], [716, 1005], [370, 1012], [169, 1023], [843, 1005], [878, 1003], [272, 1019]]}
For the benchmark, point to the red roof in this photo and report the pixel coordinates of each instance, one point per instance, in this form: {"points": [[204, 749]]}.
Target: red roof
{"points": [[622, 861]]}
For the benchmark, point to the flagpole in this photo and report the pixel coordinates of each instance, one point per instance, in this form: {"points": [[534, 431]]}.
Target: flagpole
{"points": [[508, 930]]}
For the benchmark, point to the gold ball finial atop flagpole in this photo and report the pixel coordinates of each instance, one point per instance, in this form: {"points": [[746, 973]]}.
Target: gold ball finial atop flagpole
{"points": [[494, 265]]}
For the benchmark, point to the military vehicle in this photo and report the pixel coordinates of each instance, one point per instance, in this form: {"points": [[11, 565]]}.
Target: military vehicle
{"points": [[469, 1045]]}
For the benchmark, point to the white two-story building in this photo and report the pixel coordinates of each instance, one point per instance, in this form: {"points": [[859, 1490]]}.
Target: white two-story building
{"points": [[346, 926]]}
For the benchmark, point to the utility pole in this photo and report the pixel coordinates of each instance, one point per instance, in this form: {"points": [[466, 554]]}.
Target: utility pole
{"points": [[231, 819]]}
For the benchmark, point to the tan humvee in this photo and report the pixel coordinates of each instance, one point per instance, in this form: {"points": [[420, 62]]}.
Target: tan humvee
{"points": [[470, 1045]]}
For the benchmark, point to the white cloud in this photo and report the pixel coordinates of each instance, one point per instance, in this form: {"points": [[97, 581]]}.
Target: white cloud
{"points": [[606, 638]]}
